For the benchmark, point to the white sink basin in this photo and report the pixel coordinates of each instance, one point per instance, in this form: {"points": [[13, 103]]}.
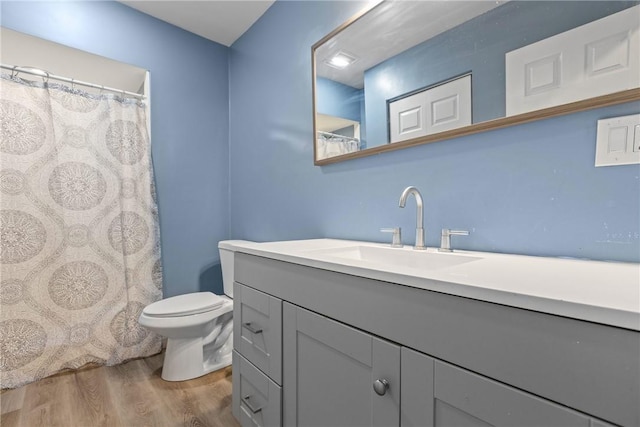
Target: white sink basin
{"points": [[595, 291], [397, 257]]}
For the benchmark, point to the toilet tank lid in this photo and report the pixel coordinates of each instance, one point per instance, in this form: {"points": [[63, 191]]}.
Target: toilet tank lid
{"points": [[184, 305], [231, 244]]}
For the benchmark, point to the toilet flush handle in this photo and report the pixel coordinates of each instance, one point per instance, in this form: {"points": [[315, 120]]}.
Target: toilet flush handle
{"points": [[252, 329]]}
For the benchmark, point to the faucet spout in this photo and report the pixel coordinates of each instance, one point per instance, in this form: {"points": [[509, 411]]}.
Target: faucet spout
{"points": [[419, 214]]}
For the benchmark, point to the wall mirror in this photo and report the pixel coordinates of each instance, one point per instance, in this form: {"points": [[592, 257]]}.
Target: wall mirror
{"points": [[403, 73]]}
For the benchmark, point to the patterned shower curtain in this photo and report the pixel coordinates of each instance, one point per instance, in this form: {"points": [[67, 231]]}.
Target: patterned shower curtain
{"points": [[80, 249]]}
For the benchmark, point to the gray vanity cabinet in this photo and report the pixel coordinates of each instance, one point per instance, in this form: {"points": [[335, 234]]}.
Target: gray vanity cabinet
{"points": [[330, 370], [328, 337], [437, 394]]}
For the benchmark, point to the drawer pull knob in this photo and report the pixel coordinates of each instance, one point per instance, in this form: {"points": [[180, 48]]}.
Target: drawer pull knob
{"points": [[250, 406], [251, 328], [381, 386]]}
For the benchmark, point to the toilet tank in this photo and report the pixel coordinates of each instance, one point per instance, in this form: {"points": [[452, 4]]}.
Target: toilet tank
{"points": [[227, 250]]}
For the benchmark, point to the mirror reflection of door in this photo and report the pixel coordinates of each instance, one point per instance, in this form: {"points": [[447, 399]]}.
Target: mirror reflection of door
{"points": [[442, 107]]}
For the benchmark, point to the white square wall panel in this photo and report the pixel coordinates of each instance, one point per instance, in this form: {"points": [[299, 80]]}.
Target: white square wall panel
{"points": [[542, 75], [608, 54], [449, 105], [406, 118], [410, 120], [618, 141]]}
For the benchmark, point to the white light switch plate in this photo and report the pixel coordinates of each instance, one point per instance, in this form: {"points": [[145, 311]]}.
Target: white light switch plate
{"points": [[618, 141]]}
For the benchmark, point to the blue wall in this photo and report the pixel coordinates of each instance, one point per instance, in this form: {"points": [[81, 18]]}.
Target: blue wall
{"points": [[189, 110], [337, 99], [530, 189], [478, 46]]}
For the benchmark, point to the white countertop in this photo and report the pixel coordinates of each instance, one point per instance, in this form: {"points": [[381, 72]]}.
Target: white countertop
{"points": [[601, 292]]}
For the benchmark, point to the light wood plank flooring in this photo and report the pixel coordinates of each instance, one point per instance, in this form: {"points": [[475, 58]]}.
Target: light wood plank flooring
{"points": [[127, 395]]}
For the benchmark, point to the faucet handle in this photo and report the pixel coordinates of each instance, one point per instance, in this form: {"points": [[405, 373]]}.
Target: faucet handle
{"points": [[396, 241], [445, 239]]}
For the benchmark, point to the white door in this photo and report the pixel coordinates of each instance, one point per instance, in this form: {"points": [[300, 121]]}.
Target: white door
{"points": [[595, 59], [440, 108]]}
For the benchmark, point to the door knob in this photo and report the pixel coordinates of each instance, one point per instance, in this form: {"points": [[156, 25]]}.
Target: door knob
{"points": [[381, 386]]}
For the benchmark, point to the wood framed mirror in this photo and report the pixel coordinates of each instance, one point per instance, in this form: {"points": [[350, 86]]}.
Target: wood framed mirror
{"points": [[405, 73]]}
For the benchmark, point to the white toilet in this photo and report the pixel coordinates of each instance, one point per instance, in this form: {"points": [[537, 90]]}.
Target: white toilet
{"points": [[198, 326]]}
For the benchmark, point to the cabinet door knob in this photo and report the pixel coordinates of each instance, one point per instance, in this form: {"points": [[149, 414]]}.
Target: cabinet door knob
{"points": [[381, 386]]}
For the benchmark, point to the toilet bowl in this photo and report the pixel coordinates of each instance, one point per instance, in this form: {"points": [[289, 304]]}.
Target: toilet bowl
{"points": [[198, 326]]}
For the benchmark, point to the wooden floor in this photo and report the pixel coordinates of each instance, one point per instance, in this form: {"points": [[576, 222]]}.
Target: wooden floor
{"points": [[128, 395]]}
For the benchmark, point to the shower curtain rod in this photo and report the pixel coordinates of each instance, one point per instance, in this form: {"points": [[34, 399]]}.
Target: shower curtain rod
{"points": [[15, 70]]}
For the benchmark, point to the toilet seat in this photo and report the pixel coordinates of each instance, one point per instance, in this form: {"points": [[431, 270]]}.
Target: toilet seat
{"points": [[184, 305]]}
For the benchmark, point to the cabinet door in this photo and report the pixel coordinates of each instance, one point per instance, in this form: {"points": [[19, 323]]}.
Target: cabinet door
{"points": [[257, 329], [417, 389], [329, 373], [438, 394]]}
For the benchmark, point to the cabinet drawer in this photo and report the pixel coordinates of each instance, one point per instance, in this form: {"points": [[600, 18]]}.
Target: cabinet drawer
{"points": [[257, 329], [256, 399]]}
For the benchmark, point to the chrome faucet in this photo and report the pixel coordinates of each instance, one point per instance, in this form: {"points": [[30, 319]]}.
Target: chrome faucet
{"points": [[396, 240], [445, 238], [419, 215]]}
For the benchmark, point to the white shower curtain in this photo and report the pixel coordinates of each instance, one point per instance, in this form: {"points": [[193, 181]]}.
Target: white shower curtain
{"points": [[79, 250]]}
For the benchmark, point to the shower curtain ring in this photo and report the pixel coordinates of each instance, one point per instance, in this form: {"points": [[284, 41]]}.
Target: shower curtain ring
{"points": [[47, 76], [73, 84]]}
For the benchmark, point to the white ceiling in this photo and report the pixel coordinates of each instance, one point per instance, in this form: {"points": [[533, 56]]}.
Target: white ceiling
{"points": [[25, 50], [390, 28], [222, 21]]}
